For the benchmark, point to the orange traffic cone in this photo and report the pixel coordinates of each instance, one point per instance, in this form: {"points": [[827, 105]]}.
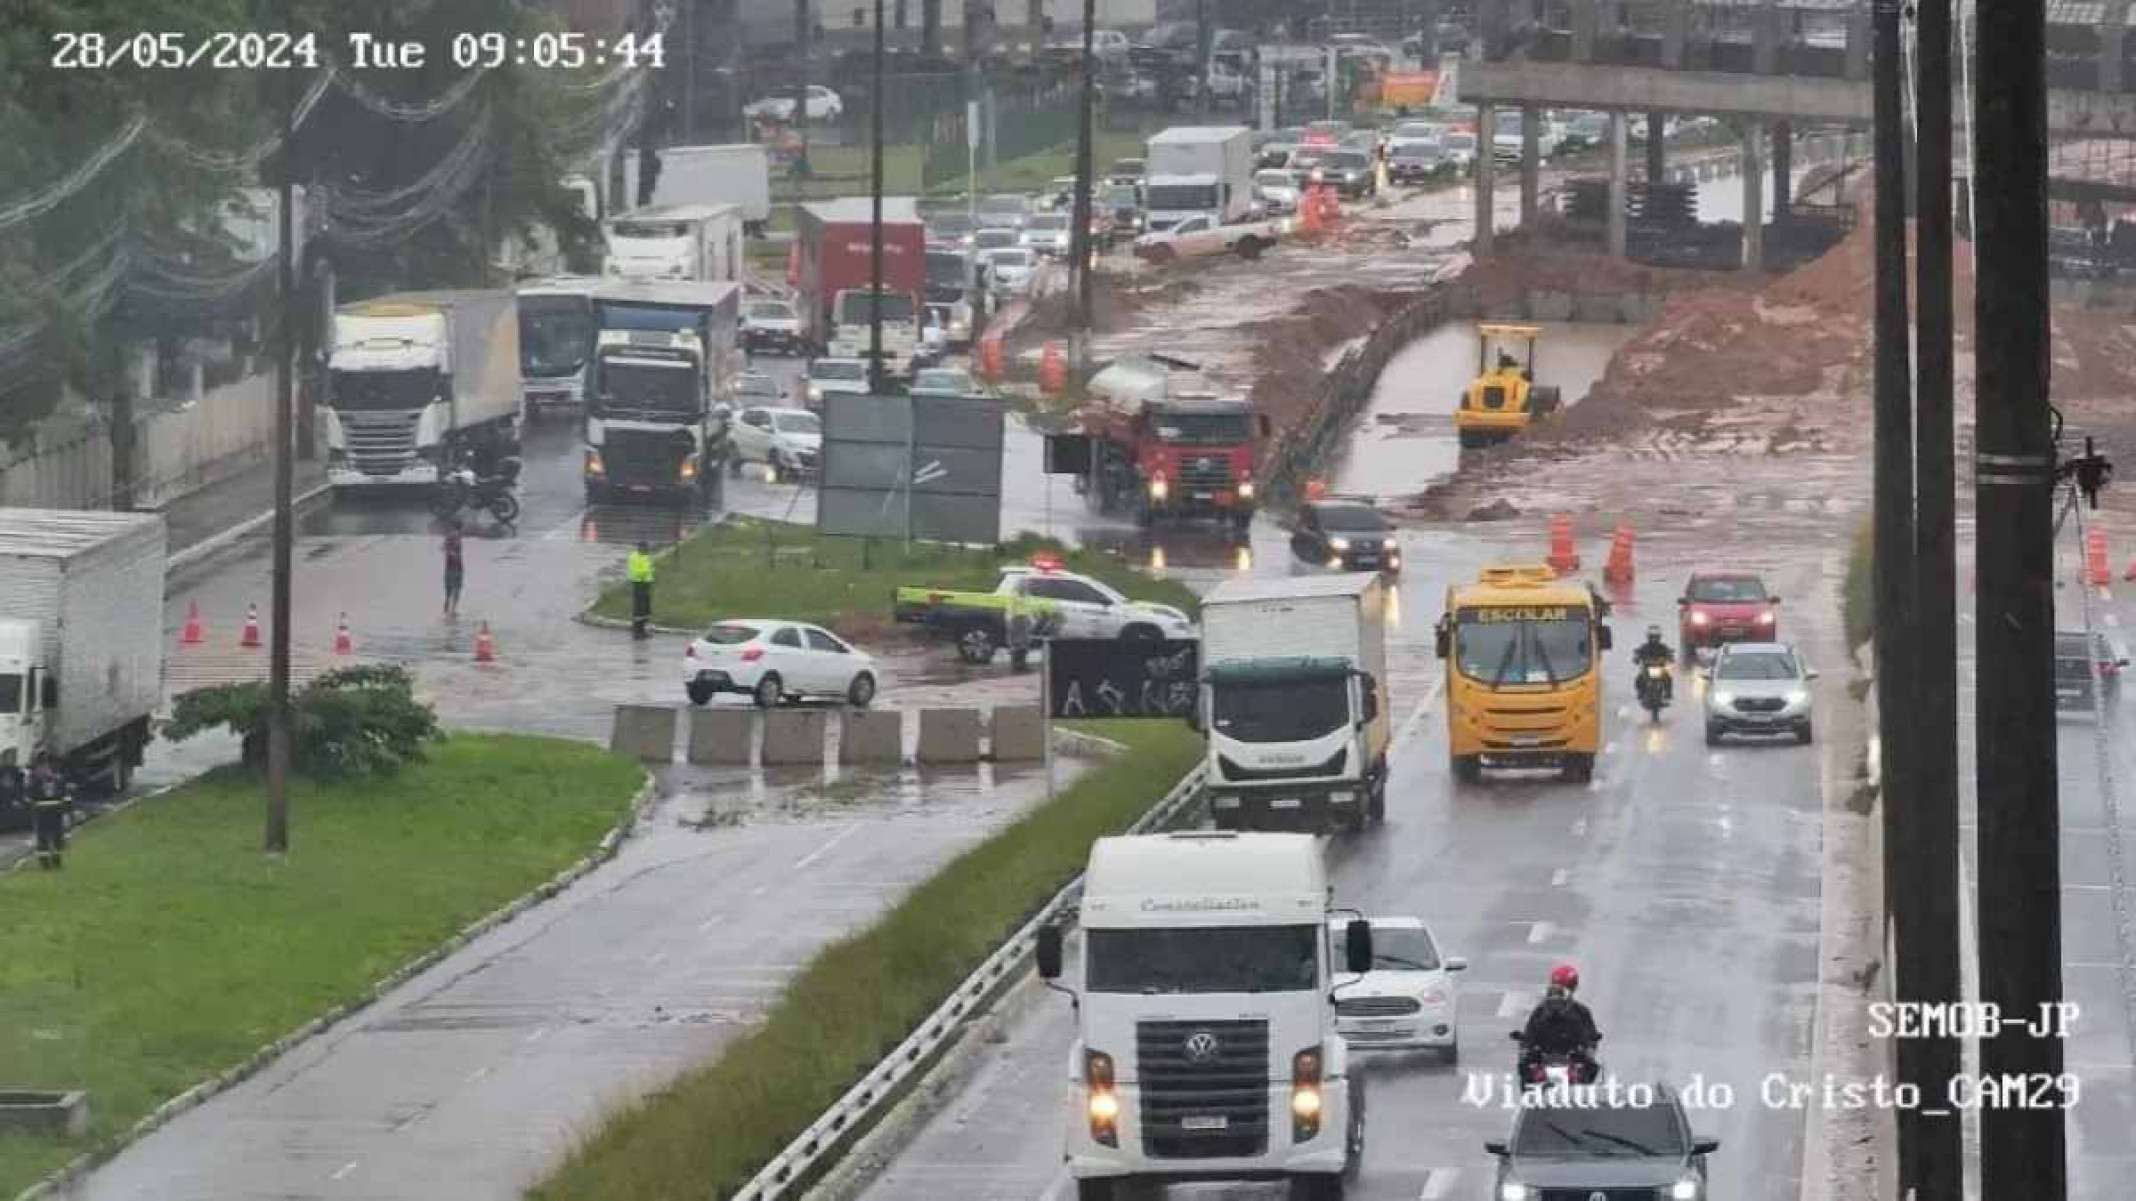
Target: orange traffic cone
{"points": [[1563, 558], [1309, 210], [343, 643], [1052, 369], [485, 646], [1619, 568], [2096, 567], [194, 633], [251, 635]]}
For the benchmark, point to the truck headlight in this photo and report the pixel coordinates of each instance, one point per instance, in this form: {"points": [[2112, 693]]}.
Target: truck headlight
{"points": [[1104, 1104], [1159, 489], [1686, 1189], [1246, 490], [815, 393], [1513, 1190], [594, 465], [689, 470], [1305, 1094]]}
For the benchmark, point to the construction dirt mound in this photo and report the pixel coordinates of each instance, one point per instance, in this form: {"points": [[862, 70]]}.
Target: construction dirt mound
{"points": [[1290, 352]]}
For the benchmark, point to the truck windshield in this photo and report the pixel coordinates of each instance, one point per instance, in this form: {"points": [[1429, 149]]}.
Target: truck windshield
{"points": [[555, 335], [647, 385], [649, 229], [1203, 959], [384, 391], [853, 308], [945, 270], [1204, 429], [1182, 197], [1497, 648], [1281, 710], [625, 315], [10, 692]]}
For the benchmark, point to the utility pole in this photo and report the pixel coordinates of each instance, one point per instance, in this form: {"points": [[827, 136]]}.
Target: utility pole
{"points": [[1079, 248], [1893, 555], [875, 218], [689, 72], [1927, 969], [2022, 1151], [1202, 36], [805, 50], [276, 840]]}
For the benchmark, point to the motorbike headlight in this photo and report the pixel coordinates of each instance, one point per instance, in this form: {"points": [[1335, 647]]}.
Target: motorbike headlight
{"points": [[594, 465], [689, 470]]}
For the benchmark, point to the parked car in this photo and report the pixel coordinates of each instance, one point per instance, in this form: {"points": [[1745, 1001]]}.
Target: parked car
{"points": [[1759, 688], [1277, 190], [1049, 234], [775, 662], [1005, 210], [1615, 1142], [790, 441], [1109, 45], [1009, 271], [944, 381], [823, 105], [1347, 534], [771, 325], [757, 388], [2073, 667], [826, 376], [1407, 1000], [1724, 606]]}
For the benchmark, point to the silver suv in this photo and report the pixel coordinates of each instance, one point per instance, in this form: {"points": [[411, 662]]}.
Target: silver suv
{"points": [[1759, 688]]}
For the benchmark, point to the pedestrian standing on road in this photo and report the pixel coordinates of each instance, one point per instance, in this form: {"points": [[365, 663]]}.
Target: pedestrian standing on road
{"points": [[49, 803], [640, 571], [455, 569]]}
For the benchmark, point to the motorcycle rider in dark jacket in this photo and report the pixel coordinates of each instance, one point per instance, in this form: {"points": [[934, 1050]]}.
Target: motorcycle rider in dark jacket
{"points": [[1655, 650], [1560, 1025]]}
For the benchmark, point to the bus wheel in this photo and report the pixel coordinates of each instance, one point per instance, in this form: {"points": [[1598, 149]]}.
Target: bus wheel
{"points": [[1580, 768], [1467, 768]]}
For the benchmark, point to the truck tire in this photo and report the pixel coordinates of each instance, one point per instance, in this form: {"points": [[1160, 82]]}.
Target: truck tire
{"points": [[1467, 768], [1095, 1188], [1140, 632], [1542, 401], [1317, 1186], [1160, 254], [1354, 1138], [699, 692], [1580, 768], [976, 644], [1376, 800]]}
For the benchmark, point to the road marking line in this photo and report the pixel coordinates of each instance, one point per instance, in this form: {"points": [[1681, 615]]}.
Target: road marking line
{"points": [[1438, 1183], [343, 1170], [1540, 931], [709, 922], [1558, 877], [539, 1032], [1579, 827], [1510, 1005], [1416, 715], [825, 849], [477, 1074]]}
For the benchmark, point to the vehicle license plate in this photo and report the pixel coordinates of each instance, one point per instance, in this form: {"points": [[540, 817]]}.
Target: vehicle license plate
{"points": [[1201, 1121]]}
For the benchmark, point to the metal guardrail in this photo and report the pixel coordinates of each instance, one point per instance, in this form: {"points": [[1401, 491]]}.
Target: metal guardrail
{"points": [[875, 1091], [1346, 389]]}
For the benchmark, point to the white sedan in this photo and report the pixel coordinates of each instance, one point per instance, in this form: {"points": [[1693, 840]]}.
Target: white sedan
{"points": [[773, 662], [788, 440], [823, 105], [1407, 1000]]}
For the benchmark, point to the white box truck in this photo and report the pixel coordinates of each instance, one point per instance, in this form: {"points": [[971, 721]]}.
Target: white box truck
{"points": [[1199, 171], [1294, 701], [738, 174], [1206, 1046], [81, 639], [693, 243], [411, 378]]}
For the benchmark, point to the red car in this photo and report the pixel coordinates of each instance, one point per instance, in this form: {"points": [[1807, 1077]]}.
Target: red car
{"points": [[1724, 606]]}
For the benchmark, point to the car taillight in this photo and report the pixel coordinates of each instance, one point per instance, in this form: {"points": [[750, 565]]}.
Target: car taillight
{"points": [[752, 653]]}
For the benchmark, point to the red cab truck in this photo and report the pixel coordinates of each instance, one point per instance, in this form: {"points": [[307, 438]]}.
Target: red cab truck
{"points": [[1159, 448], [832, 268]]}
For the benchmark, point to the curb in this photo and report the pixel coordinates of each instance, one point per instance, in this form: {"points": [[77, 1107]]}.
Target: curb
{"points": [[216, 542], [52, 1187], [94, 814]]}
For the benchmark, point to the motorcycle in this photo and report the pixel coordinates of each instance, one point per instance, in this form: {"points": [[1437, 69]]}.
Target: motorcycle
{"points": [[1654, 689], [462, 488], [1554, 1068]]}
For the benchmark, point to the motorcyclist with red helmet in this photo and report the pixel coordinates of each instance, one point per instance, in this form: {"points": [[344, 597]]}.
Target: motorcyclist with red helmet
{"points": [[1560, 1025]]}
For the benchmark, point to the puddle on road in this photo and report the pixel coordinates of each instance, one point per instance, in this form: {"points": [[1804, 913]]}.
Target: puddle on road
{"points": [[1405, 437]]}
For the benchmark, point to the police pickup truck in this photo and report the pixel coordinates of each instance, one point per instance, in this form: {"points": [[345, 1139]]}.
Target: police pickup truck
{"points": [[1029, 603]]}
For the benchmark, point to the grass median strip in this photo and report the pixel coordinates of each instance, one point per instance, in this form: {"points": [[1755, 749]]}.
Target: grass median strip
{"points": [[745, 567], [169, 948], [708, 1132]]}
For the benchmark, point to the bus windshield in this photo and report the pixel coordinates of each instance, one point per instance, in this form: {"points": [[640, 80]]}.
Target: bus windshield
{"points": [[555, 334], [1497, 647]]}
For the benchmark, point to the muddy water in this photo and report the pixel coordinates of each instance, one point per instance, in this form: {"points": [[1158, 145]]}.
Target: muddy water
{"points": [[1405, 438]]}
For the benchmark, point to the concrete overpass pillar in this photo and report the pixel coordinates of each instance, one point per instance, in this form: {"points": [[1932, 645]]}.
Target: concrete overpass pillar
{"points": [[2113, 38], [1618, 169], [1486, 175], [1753, 200], [1583, 30], [1783, 169], [1675, 33], [1531, 164], [1859, 37], [1657, 148], [1765, 38]]}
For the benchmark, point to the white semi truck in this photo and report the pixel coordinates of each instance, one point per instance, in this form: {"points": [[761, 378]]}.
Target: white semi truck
{"points": [[661, 386], [1199, 171], [1206, 1046], [1294, 701], [81, 640], [413, 377], [698, 243], [737, 173]]}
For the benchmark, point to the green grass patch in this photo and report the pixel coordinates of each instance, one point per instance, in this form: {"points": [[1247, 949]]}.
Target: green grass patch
{"points": [[705, 1134], [1857, 599], [844, 171], [745, 567], [1030, 172], [170, 948]]}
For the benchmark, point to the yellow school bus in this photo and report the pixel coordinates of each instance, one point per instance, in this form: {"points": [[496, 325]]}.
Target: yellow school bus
{"points": [[1523, 652]]}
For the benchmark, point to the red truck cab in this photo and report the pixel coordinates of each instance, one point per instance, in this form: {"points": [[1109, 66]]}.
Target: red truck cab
{"points": [[1194, 457]]}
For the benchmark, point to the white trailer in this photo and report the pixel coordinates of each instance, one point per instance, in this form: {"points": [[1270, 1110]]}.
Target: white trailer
{"points": [[738, 174], [1294, 699], [413, 377], [1199, 171], [694, 243], [81, 639]]}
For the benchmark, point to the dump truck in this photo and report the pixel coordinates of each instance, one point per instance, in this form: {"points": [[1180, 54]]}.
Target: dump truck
{"points": [[1504, 398], [411, 378], [1154, 445], [81, 642]]}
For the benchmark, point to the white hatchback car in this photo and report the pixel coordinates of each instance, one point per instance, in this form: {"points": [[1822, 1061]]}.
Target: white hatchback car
{"points": [[773, 662], [1407, 1000], [1758, 688], [789, 440]]}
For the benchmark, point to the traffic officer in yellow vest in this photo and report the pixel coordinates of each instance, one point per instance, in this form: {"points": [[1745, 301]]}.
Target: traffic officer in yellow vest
{"points": [[640, 571], [49, 803]]}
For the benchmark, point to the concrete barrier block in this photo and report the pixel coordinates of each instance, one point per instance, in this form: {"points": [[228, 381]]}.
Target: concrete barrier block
{"points": [[1603, 309], [872, 736], [949, 736], [722, 737], [644, 732], [794, 736], [1017, 734], [1551, 306]]}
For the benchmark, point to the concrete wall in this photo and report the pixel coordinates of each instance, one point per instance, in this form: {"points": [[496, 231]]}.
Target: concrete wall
{"points": [[179, 445]]}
